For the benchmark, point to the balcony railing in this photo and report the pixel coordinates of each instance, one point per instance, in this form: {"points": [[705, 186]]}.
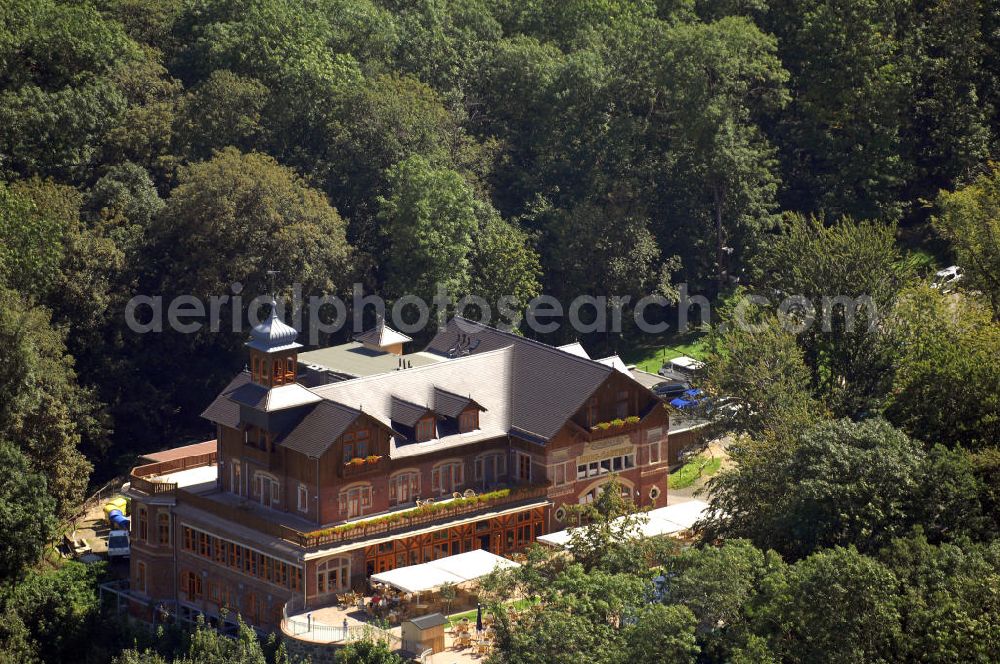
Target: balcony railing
{"points": [[368, 464], [406, 519], [255, 517], [297, 624], [143, 478]]}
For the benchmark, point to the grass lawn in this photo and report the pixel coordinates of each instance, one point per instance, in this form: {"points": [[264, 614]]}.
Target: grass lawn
{"points": [[650, 358], [471, 614], [702, 465]]}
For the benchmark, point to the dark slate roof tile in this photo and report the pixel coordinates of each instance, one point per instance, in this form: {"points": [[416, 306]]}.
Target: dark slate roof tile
{"points": [[222, 410], [324, 423], [406, 412]]}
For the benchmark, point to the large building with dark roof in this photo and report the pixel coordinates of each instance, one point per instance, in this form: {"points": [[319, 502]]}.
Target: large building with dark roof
{"points": [[323, 475]]}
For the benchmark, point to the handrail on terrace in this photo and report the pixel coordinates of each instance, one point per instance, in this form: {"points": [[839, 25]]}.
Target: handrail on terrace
{"points": [[139, 477], [385, 523], [306, 629]]}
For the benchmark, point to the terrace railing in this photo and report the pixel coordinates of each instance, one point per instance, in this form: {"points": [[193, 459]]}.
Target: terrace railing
{"points": [[256, 517], [404, 520], [141, 478], [299, 625]]}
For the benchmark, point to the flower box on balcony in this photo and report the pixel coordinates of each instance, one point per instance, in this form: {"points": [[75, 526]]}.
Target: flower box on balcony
{"points": [[616, 423]]}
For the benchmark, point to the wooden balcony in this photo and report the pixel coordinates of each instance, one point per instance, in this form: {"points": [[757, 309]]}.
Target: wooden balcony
{"points": [[144, 479]]}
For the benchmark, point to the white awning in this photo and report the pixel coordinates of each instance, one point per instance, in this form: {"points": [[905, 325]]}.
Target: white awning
{"points": [[667, 520], [453, 569]]}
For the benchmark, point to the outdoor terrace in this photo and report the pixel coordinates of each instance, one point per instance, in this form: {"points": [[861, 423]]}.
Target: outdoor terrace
{"points": [[196, 472]]}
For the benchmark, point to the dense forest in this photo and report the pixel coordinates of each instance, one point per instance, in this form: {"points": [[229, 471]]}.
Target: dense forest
{"points": [[519, 147]]}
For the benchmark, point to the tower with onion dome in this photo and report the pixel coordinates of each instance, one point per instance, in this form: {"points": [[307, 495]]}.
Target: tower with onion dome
{"points": [[273, 351]]}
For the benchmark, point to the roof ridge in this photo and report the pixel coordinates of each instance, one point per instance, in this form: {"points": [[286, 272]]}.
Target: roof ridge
{"points": [[411, 403], [424, 367], [540, 344]]}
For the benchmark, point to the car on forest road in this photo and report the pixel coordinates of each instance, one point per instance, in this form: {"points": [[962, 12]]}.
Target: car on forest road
{"points": [[670, 389]]}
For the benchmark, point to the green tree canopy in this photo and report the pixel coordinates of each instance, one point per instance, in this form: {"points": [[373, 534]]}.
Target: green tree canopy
{"points": [[755, 362], [430, 216], [235, 216], [834, 606], [26, 513], [42, 407], [837, 483], [850, 274], [969, 218], [946, 387]]}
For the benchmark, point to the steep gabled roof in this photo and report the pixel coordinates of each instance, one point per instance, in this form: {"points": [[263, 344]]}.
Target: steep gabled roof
{"points": [[222, 410], [317, 431], [549, 385], [575, 348]]}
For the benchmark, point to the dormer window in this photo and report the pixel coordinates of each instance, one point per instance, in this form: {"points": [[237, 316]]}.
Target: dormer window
{"points": [[356, 445], [425, 429], [468, 421]]}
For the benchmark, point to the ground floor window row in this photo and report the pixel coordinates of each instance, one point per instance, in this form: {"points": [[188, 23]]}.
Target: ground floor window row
{"points": [[215, 597], [241, 558], [501, 535]]}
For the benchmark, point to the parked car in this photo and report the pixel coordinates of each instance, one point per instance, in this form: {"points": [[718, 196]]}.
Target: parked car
{"points": [[118, 545], [945, 280], [681, 366], [670, 389]]}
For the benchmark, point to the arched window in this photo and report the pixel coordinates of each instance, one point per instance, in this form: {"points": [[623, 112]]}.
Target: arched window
{"points": [[266, 488], [142, 525], [163, 528], [490, 467], [404, 487], [333, 575], [354, 500], [594, 492], [447, 476]]}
